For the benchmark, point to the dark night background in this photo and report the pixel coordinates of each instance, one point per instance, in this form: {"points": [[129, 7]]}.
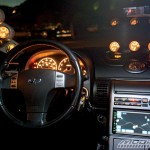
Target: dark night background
{"points": [[94, 15], [67, 11]]}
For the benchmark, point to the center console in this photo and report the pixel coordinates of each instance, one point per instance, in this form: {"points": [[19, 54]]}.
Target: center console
{"points": [[129, 122]]}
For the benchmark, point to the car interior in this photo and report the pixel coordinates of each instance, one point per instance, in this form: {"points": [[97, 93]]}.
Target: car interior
{"points": [[79, 91]]}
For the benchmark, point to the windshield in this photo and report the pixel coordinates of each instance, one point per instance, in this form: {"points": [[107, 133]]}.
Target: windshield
{"points": [[76, 20]]}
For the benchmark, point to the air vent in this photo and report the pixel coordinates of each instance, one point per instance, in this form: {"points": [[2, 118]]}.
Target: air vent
{"points": [[101, 94]]}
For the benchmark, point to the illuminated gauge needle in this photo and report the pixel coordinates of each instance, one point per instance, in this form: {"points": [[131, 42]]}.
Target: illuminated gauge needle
{"points": [[68, 68]]}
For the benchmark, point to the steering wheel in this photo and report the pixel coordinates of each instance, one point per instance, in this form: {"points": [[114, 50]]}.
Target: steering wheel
{"points": [[36, 84]]}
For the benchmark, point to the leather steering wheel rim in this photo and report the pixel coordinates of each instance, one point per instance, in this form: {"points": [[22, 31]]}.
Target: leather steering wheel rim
{"points": [[78, 75]]}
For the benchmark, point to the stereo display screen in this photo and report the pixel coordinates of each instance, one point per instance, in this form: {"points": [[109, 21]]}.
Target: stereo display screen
{"points": [[131, 122]]}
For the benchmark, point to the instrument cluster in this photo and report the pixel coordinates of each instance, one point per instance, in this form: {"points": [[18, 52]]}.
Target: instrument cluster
{"points": [[53, 61]]}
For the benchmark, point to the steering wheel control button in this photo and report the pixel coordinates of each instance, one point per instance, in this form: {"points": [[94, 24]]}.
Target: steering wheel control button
{"points": [[60, 80], [13, 83]]}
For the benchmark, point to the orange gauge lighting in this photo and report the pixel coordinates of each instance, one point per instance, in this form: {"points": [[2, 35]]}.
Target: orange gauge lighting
{"points": [[4, 32], [114, 22], [134, 46], [114, 46], [149, 46], [133, 21]]}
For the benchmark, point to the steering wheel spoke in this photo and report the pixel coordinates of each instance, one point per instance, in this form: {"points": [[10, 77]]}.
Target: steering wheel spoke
{"points": [[37, 119], [6, 83]]}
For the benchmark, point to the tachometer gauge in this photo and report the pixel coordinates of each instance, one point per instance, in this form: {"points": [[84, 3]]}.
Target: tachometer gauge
{"points": [[65, 66], [46, 63]]}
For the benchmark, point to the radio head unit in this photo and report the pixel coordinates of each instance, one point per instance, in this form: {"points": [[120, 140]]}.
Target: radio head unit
{"points": [[131, 122]]}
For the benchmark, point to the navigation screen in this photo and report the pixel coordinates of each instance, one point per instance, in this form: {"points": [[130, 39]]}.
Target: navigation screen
{"points": [[130, 122]]}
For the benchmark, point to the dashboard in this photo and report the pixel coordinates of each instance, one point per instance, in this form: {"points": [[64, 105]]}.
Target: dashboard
{"points": [[116, 88]]}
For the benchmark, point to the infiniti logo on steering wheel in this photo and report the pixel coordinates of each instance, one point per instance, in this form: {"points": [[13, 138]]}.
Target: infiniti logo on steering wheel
{"points": [[34, 81]]}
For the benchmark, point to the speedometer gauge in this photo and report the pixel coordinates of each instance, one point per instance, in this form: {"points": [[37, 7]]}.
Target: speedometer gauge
{"points": [[46, 63], [65, 66]]}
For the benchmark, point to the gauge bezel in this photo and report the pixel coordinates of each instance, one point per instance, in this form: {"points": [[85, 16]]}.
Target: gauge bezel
{"points": [[137, 63]]}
